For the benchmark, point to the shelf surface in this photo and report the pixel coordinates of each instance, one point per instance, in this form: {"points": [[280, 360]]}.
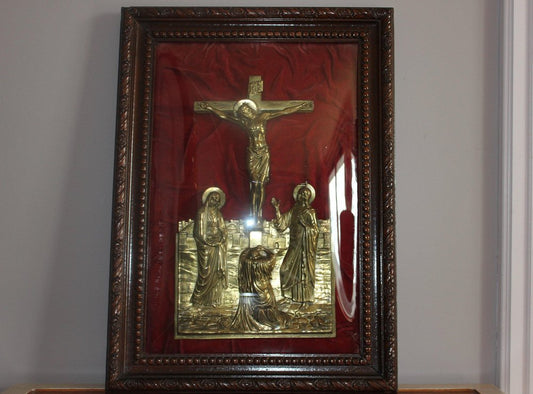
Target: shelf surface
{"points": [[404, 389]]}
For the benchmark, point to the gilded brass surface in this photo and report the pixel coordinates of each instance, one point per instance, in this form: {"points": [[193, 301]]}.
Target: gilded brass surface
{"points": [[258, 307], [210, 237], [297, 272], [294, 319], [252, 115]]}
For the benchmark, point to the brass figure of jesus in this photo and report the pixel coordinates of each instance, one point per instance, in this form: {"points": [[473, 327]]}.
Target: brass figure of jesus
{"points": [[252, 115]]}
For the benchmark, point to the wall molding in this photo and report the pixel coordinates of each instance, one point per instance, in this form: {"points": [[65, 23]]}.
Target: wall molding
{"points": [[516, 279]]}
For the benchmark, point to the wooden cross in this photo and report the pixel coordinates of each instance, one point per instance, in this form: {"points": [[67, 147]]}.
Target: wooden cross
{"points": [[255, 90]]}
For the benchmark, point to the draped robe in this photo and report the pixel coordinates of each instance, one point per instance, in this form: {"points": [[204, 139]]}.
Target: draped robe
{"points": [[257, 307], [210, 236], [297, 272]]}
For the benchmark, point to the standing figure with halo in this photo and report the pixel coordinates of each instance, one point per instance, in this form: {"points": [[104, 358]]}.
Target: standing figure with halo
{"points": [[297, 271], [210, 235]]}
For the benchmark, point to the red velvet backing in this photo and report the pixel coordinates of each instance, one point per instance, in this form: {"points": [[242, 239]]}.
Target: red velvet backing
{"points": [[191, 151]]}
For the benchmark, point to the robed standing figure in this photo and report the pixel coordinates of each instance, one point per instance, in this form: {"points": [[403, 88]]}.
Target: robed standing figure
{"points": [[210, 235], [297, 271]]}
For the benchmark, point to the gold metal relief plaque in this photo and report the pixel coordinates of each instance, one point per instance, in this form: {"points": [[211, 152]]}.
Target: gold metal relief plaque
{"points": [[251, 277], [303, 319]]}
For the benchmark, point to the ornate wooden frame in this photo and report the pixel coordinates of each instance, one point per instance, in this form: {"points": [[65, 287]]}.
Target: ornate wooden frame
{"points": [[129, 367]]}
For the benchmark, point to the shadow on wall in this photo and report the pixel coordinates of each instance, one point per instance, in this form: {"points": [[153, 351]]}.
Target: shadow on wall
{"points": [[73, 326]]}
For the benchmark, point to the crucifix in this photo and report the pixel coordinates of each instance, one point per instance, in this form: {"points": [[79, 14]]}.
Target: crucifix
{"points": [[251, 114]]}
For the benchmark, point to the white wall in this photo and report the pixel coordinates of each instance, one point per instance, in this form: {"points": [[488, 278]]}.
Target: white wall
{"points": [[58, 75]]}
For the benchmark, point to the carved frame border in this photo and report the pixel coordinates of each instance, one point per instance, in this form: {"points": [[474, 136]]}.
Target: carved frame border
{"points": [[375, 368]]}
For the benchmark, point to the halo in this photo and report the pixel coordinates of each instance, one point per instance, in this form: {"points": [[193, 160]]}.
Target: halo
{"points": [[308, 187], [248, 102], [214, 189]]}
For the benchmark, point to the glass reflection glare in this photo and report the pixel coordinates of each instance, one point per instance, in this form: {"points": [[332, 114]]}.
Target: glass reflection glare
{"points": [[338, 204], [250, 222]]}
